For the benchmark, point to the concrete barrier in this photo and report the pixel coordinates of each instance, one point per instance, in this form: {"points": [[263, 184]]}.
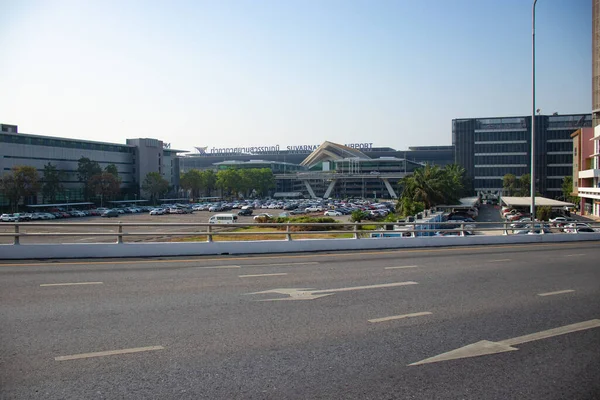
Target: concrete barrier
{"points": [[113, 250]]}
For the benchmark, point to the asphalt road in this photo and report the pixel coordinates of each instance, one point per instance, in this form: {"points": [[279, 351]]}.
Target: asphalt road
{"points": [[199, 332]]}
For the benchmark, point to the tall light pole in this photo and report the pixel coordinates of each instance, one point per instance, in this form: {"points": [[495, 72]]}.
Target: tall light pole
{"points": [[533, 116]]}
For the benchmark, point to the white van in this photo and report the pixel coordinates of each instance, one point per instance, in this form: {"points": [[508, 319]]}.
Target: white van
{"points": [[223, 219]]}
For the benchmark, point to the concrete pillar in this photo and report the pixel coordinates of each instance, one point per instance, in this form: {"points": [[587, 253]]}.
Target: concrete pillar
{"points": [[389, 188], [330, 188], [310, 190]]}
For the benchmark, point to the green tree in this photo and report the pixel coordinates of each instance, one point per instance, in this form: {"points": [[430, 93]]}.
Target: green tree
{"points": [[209, 181], [112, 169], [407, 207], [543, 213], [567, 189], [51, 183], [428, 185], [454, 183], [228, 180], [87, 168], [525, 185], [192, 181], [509, 184], [22, 181], [263, 181], [155, 185], [106, 185]]}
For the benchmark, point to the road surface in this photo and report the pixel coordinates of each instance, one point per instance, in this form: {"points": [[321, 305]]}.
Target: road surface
{"points": [[494, 322]]}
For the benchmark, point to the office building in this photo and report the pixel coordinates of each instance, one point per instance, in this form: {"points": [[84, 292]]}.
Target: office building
{"points": [[133, 160], [489, 148]]}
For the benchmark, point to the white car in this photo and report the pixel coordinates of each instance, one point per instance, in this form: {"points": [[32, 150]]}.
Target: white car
{"points": [[9, 218], [263, 215], [574, 227], [157, 211], [332, 213]]}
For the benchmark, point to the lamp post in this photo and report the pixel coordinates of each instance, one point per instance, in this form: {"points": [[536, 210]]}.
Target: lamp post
{"points": [[533, 116]]}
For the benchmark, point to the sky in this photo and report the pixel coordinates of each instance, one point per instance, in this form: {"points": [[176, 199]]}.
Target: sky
{"points": [[277, 72]]}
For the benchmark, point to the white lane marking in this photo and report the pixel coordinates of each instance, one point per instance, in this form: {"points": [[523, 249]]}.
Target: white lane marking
{"points": [[280, 265], [222, 267], [486, 347], [557, 292], [502, 260], [71, 284], [402, 267], [393, 317], [258, 275], [107, 353], [311, 294], [574, 255]]}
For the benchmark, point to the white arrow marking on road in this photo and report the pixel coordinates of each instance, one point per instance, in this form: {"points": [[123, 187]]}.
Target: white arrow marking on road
{"points": [[311, 294], [486, 347]]}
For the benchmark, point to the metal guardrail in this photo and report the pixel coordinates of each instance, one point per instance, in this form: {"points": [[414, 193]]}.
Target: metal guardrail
{"points": [[412, 229]]}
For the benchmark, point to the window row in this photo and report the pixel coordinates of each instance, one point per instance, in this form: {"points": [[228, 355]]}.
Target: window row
{"points": [[41, 141], [501, 148]]}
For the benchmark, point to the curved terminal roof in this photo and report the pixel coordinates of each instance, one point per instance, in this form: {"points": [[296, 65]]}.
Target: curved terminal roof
{"points": [[329, 151]]}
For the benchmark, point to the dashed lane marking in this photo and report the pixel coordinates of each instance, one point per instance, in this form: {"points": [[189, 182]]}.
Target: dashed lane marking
{"points": [[108, 353], [71, 284], [557, 292], [393, 317], [259, 275]]}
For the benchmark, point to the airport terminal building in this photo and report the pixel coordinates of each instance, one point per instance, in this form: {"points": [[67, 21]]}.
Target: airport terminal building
{"points": [[326, 170]]}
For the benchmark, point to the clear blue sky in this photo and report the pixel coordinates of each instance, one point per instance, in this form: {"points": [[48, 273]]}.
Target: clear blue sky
{"points": [[243, 73]]}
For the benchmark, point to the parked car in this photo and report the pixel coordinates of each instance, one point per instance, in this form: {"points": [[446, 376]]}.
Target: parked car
{"points": [[245, 211], [157, 211], [332, 213], [260, 216], [9, 218], [574, 227], [110, 213], [583, 229]]}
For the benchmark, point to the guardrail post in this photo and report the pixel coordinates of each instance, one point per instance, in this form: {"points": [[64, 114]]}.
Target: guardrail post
{"points": [[462, 229], [120, 235], [356, 231], [208, 234], [288, 236], [16, 239], [505, 232]]}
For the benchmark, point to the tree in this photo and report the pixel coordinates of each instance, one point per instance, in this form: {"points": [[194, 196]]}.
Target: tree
{"points": [[105, 185], [543, 213], [509, 184], [192, 181], [51, 182], [427, 185], [209, 181], [228, 180], [20, 182], [407, 207], [155, 185], [567, 189], [525, 185], [87, 168], [112, 169]]}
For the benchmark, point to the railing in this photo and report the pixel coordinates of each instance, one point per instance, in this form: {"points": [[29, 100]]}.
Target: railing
{"points": [[287, 230]]}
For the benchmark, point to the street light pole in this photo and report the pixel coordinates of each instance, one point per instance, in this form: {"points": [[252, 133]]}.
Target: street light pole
{"points": [[533, 116]]}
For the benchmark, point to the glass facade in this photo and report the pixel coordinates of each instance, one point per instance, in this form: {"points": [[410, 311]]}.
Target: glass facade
{"points": [[489, 148]]}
